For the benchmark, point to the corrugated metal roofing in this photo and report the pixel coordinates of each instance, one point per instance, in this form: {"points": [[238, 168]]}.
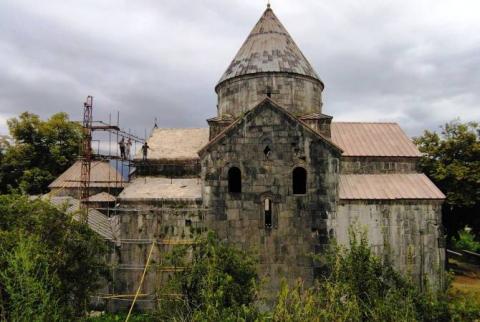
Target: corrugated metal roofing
{"points": [[97, 221], [373, 139], [176, 144], [269, 48], [102, 174], [387, 187]]}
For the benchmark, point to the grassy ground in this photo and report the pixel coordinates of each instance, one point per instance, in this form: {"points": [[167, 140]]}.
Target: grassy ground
{"points": [[466, 280]]}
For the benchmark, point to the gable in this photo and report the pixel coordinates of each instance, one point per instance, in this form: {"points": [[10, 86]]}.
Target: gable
{"points": [[268, 105]]}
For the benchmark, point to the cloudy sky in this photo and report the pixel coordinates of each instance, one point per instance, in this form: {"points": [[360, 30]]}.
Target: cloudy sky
{"points": [[416, 62]]}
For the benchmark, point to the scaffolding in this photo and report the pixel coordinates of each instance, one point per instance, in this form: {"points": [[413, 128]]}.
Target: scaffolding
{"points": [[87, 183], [87, 155]]}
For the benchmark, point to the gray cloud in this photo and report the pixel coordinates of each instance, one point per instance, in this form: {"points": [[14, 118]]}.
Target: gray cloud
{"points": [[413, 63]]}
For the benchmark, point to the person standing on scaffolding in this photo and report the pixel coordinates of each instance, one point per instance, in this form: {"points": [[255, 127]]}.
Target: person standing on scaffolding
{"points": [[128, 146], [145, 148], [121, 144]]}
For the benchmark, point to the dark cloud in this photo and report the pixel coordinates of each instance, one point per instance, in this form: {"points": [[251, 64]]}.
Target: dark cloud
{"points": [[413, 63]]}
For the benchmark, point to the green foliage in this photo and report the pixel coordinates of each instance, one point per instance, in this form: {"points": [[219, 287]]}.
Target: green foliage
{"points": [[106, 317], [466, 240], [41, 151], [29, 284], [218, 283], [452, 160], [359, 287], [65, 265]]}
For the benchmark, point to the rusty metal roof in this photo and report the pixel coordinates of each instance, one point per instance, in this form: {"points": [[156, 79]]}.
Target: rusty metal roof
{"points": [[176, 144], [373, 139], [102, 174], [97, 221], [409, 186], [269, 48]]}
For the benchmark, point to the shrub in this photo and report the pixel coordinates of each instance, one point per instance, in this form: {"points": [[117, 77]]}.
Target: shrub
{"points": [[217, 283], [358, 286], [29, 284], [59, 260], [466, 240]]}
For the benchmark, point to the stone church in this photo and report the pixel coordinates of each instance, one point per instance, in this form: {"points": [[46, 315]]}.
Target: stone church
{"points": [[274, 175]]}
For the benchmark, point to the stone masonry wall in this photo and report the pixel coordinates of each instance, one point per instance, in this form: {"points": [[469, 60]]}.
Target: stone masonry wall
{"points": [[298, 94], [138, 223], [407, 233], [378, 165], [299, 221]]}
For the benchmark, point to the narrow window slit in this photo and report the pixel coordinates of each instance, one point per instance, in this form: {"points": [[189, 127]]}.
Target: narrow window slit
{"points": [[268, 213]]}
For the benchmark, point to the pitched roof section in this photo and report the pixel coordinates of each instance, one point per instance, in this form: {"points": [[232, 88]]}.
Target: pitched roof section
{"points": [[102, 197], [355, 139], [176, 144], [157, 188], [97, 221], [412, 186], [102, 174], [269, 48], [277, 107], [373, 139]]}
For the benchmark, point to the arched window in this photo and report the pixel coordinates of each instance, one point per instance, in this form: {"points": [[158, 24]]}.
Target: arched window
{"points": [[267, 210], [299, 181], [234, 180]]}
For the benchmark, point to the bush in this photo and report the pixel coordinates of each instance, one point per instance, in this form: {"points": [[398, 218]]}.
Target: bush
{"points": [[358, 286], [466, 241], [50, 263], [217, 283], [29, 284]]}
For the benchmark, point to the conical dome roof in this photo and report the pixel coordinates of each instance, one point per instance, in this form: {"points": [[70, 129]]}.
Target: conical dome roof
{"points": [[269, 48]]}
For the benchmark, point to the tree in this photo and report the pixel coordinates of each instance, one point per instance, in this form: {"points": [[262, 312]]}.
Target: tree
{"points": [[49, 253], [452, 160], [41, 151]]}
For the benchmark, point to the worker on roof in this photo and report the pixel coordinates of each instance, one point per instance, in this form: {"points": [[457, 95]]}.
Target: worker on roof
{"points": [[145, 148], [128, 147], [121, 144]]}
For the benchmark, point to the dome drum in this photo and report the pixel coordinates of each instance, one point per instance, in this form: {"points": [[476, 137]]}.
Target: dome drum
{"points": [[298, 94]]}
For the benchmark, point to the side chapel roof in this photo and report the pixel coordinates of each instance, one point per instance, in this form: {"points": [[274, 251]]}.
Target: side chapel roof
{"points": [[373, 139], [394, 186], [102, 174]]}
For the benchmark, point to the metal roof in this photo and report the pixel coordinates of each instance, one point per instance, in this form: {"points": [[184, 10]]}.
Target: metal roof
{"points": [[102, 174], [411, 186], [176, 144], [157, 188], [97, 221], [373, 139], [269, 48]]}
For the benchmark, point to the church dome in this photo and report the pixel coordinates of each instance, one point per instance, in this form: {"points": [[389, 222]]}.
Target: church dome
{"points": [[269, 48], [269, 63]]}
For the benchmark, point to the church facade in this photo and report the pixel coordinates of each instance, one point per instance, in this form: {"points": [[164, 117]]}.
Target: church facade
{"points": [[274, 175]]}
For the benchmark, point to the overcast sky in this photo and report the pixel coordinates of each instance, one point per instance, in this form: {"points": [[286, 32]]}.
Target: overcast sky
{"points": [[415, 62]]}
